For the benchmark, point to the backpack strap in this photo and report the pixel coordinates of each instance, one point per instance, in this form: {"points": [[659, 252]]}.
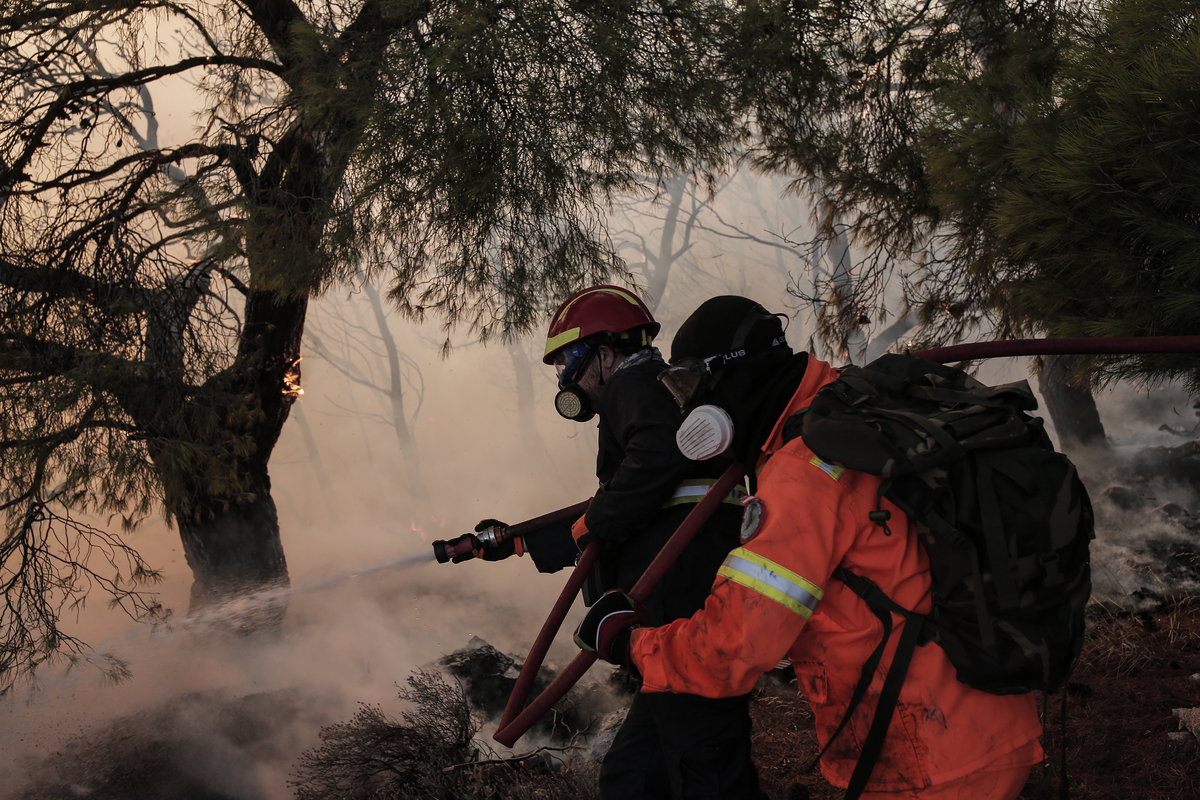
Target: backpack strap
{"points": [[969, 555], [1003, 569], [915, 633]]}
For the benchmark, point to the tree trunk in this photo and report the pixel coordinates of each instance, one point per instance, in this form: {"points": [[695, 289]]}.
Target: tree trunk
{"points": [[237, 551], [230, 534], [535, 448], [1072, 408], [658, 266], [324, 482], [409, 451]]}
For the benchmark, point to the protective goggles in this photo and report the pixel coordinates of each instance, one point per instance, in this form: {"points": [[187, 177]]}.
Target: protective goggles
{"points": [[687, 376], [571, 361]]}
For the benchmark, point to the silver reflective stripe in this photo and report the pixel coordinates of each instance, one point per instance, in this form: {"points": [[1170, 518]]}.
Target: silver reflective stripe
{"points": [[692, 491], [772, 580]]}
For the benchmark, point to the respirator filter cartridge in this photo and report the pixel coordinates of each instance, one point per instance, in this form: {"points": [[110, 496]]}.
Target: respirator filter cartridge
{"points": [[573, 404], [705, 433]]}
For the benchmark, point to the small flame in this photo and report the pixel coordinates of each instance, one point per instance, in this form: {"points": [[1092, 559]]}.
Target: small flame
{"points": [[424, 536], [291, 380]]}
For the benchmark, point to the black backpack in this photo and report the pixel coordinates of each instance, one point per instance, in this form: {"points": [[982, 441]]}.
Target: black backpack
{"points": [[1004, 518]]}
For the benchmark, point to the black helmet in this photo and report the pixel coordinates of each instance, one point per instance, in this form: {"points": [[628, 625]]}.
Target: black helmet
{"points": [[722, 331]]}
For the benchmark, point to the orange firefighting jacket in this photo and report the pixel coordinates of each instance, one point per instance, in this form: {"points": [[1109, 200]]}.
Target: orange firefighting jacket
{"points": [[774, 597]]}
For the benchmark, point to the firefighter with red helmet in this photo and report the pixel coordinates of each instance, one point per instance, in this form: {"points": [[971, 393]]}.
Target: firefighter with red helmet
{"points": [[672, 745], [775, 595]]}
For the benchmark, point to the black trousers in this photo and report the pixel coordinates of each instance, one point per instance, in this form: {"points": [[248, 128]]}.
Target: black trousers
{"points": [[682, 747]]}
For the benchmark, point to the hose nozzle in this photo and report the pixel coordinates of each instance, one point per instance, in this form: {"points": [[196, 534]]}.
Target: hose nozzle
{"points": [[464, 547]]}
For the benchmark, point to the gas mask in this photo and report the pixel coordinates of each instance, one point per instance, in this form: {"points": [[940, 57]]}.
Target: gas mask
{"points": [[572, 402], [705, 433]]}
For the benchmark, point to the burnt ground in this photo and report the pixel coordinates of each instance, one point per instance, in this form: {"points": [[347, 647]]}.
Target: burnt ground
{"points": [[1134, 671], [1136, 668]]}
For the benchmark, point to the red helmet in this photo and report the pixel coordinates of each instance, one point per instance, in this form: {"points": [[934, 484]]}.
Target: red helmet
{"points": [[600, 309]]}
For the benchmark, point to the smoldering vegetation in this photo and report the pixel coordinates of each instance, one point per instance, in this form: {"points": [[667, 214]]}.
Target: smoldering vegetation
{"points": [[374, 678], [1145, 490], [434, 749]]}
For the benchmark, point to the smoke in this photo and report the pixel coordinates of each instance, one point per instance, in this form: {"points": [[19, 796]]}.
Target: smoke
{"points": [[205, 717], [348, 505], [1147, 546]]}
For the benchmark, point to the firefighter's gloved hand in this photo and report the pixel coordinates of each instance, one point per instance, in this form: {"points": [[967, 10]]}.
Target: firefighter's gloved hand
{"points": [[511, 547], [607, 627], [579, 531], [466, 555]]}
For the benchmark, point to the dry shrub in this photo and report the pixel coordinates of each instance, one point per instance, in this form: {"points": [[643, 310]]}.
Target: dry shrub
{"points": [[430, 754]]}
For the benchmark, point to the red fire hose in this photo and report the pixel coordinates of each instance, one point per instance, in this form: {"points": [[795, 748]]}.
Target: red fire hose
{"points": [[513, 725], [515, 722]]}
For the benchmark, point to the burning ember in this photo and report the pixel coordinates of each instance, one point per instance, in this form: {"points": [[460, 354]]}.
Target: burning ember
{"points": [[291, 380]]}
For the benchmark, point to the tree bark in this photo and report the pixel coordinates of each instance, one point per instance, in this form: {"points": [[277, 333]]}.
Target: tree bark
{"points": [[1072, 408], [231, 539], [237, 551]]}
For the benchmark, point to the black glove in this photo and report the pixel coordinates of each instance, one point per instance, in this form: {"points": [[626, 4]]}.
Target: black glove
{"points": [[467, 555], [509, 547], [607, 627]]}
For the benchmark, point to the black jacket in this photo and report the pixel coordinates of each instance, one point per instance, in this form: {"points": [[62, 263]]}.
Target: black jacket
{"points": [[639, 467]]}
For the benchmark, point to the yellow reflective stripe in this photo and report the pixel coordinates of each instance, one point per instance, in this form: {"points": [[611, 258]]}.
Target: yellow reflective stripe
{"points": [[832, 470], [564, 338], [772, 580], [678, 501], [621, 293], [693, 491]]}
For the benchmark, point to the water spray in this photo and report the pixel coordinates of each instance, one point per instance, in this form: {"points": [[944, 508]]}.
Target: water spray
{"points": [[404, 562]]}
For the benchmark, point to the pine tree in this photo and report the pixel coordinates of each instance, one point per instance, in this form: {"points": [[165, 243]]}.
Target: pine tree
{"points": [[153, 293], [1089, 224], [842, 94]]}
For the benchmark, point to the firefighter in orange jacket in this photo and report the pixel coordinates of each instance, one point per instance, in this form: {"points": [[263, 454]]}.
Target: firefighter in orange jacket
{"points": [[775, 596]]}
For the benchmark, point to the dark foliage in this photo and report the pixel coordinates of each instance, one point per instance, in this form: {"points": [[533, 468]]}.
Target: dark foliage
{"points": [[1063, 179], [843, 94]]}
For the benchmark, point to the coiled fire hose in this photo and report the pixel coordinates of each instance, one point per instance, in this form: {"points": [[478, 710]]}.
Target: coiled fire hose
{"points": [[516, 722]]}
